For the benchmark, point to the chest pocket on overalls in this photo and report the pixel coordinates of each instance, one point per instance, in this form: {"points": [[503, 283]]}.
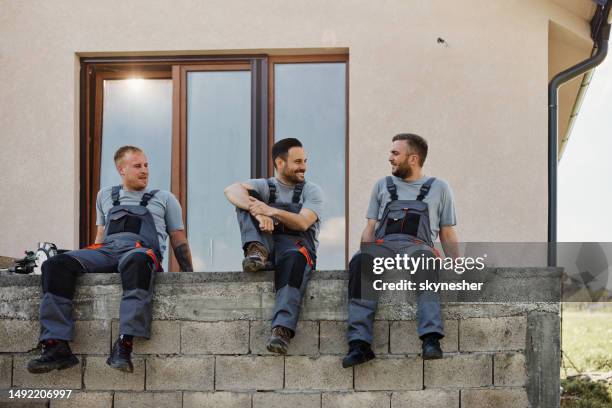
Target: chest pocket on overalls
{"points": [[410, 217], [403, 221], [126, 220]]}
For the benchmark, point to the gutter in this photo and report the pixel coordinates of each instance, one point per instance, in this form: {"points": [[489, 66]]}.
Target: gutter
{"points": [[600, 32]]}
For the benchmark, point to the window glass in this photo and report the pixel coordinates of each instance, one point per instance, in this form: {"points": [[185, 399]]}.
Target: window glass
{"points": [[310, 104], [138, 112], [219, 153]]}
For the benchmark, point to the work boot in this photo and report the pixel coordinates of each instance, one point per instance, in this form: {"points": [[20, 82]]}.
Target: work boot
{"points": [[279, 340], [121, 355], [255, 258], [431, 346], [359, 352], [56, 355]]}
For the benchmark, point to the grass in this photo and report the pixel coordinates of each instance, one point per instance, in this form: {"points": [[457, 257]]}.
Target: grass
{"points": [[587, 348]]}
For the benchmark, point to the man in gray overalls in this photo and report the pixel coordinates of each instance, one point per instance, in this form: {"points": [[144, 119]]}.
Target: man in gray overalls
{"points": [[407, 212], [279, 222], [133, 224]]}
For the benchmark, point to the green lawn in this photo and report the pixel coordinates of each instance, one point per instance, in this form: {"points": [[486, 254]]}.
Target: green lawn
{"points": [[587, 340], [587, 347]]}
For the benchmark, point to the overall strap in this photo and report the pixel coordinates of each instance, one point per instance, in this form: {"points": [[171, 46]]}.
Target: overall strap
{"points": [[146, 197], [425, 188], [115, 195], [391, 188], [297, 192], [272, 187]]}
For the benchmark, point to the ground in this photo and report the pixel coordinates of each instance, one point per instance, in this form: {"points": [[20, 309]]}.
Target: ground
{"points": [[587, 356]]}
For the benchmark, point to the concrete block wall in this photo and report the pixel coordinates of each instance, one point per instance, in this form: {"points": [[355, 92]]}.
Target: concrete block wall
{"points": [[208, 350]]}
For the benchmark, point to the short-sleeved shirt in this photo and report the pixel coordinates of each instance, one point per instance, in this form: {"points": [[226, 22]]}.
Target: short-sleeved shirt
{"points": [[311, 198], [164, 207], [439, 201]]}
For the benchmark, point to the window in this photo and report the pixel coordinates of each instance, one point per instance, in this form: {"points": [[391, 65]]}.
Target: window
{"points": [[205, 122]]}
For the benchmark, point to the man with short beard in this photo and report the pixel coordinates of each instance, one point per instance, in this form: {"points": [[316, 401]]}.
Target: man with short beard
{"points": [[279, 222], [133, 223], [407, 212]]}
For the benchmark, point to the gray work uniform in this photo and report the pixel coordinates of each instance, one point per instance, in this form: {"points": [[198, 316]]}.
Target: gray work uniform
{"points": [[409, 217], [131, 246], [293, 253]]}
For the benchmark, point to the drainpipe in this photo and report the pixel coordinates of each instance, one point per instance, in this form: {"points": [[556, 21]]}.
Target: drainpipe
{"points": [[600, 32]]}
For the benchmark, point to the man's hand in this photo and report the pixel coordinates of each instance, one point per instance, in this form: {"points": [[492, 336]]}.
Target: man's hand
{"points": [[257, 207], [266, 224]]}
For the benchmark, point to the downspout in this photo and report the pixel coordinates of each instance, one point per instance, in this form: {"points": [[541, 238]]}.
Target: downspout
{"points": [[600, 32]]}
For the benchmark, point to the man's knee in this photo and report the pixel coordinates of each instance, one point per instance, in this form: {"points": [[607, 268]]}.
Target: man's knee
{"points": [[290, 269], [59, 275], [136, 270], [360, 273]]}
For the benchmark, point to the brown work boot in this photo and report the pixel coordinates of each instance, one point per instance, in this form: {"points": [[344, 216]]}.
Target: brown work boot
{"points": [[255, 258], [279, 340]]}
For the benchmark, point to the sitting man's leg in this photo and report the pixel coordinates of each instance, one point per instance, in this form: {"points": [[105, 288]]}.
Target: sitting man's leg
{"points": [[137, 268], [429, 314], [59, 275], [257, 246], [362, 307], [292, 272]]}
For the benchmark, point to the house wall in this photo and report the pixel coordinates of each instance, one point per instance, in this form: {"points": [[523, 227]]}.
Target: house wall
{"points": [[479, 99]]}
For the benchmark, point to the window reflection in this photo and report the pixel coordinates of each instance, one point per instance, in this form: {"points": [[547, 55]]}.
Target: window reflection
{"points": [[310, 104]]}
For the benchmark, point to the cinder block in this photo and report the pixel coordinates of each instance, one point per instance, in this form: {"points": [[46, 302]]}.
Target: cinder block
{"points": [[6, 371], [215, 337], [80, 399], [404, 373], [249, 373], [100, 376], [492, 334], [405, 340], [7, 402], [466, 370], [322, 373], [148, 400], [165, 338], [333, 337], [18, 336], [69, 379], [356, 400], [426, 399], [180, 373], [284, 400], [91, 337], [216, 399], [499, 397], [509, 369], [305, 342]]}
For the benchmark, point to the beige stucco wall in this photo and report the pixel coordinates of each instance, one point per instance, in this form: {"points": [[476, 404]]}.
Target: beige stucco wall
{"points": [[480, 101]]}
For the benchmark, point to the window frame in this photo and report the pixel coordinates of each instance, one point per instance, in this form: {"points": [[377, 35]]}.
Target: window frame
{"points": [[94, 70]]}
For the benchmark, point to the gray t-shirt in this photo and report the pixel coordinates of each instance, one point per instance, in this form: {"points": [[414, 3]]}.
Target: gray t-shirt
{"points": [[439, 200], [164, 207], [311, 198]]}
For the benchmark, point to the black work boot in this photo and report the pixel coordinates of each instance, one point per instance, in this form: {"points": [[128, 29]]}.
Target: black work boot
{"points": [[359, 352], [431, 346], [255, 258], [279, 340], [121, 355], [56, 355]]}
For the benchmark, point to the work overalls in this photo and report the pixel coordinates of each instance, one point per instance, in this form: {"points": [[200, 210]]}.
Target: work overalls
{"points": [[292, 252], [130, 247], [403, 229]]}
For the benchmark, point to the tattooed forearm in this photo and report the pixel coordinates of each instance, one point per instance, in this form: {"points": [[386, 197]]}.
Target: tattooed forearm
{"points": [[183, 256]]}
